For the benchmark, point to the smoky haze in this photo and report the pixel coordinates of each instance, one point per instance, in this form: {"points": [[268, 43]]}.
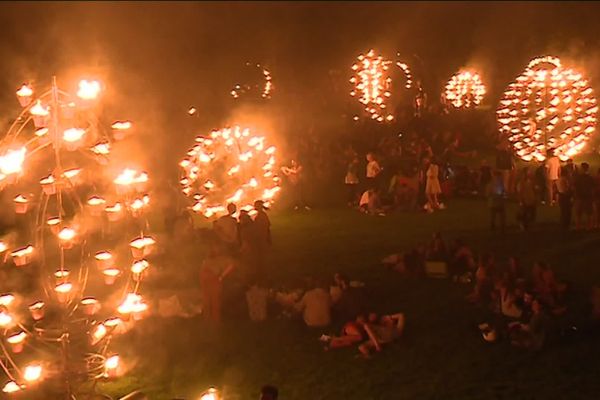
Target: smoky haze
{"points": [[159, 58]]}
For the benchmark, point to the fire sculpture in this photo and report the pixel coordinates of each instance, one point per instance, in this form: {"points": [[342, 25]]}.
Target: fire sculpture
{"points": [[372, 84], [548, 107], [80, 239], [232, 165]]}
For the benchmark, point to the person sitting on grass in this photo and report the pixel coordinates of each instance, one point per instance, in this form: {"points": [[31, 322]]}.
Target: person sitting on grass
{"points": [[316, 306], [386, 331], [370, 203], [531, 335]]}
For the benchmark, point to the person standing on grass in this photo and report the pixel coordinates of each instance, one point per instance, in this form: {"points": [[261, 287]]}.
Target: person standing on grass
{"points": [[584, 196], [552, 175], [527, 199], [226, 230], [565, 199], [496, 198], [215, 268], [351, 181], [597, 199], [294, 174], [373, 172], [504, 164], [262, 230], [432, 187]]}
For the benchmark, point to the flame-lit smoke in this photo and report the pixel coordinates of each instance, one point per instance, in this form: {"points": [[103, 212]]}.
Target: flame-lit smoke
{"points": [[56, 156], [264, 88], [372, 84], [548, 107], [232, 165], [465, 90]]}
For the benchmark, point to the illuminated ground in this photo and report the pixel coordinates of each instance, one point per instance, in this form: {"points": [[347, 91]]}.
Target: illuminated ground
{"points": [[441, 356]]}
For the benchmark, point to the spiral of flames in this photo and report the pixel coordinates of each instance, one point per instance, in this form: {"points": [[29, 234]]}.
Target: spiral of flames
{"points": [[372, 84], [548, 107], [265, 88], [73, 215], [231, 165], [465, 90]]}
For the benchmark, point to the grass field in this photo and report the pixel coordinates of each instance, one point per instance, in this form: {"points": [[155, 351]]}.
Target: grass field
{"points": [[441, 355]]}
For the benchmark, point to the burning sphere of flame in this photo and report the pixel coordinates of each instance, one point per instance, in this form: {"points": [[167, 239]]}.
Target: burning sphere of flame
{"points": [[372, 84], [230, 166], [548, 107], [465, 90]]}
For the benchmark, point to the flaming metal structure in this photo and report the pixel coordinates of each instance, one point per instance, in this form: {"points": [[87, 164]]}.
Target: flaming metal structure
{"points": [[372, 84], [549, 106], [71, 244], [231, 165], [465, 90]]}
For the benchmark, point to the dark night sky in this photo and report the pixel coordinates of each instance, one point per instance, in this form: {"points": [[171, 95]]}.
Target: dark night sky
{"points": [[161, 57]]}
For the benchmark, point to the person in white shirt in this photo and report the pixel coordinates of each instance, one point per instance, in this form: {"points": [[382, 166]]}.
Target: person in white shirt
{"points": [[552, 175], [373, 171], [316, 307]]}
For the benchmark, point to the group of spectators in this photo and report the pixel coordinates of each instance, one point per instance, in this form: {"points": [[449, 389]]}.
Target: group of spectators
{"points": [[241, 242], [525, 308]]}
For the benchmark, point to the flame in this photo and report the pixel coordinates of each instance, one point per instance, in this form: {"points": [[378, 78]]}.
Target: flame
{"points": [[25, 91], [142, 242], [130, 176], [99, 333], [5, 319], [17, 338], [133, 303], [71, 173], [67, 234], [121, 125], [139, 266], [103, 256], [63, 288], [12, 161], [61, 274], [96, 201], [88, 90], [112, 272], [32, 372], [72, 135], [38, 110], [101, 148], [11, 387], [112, 362], [6, 299], [22, 251]]}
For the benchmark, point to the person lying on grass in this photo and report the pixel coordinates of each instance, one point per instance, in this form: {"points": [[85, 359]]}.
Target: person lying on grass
{"points": [[389, 328], [352, 333]]}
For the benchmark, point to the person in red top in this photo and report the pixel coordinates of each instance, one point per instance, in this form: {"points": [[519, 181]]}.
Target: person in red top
{"points": [[215, 267]]}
